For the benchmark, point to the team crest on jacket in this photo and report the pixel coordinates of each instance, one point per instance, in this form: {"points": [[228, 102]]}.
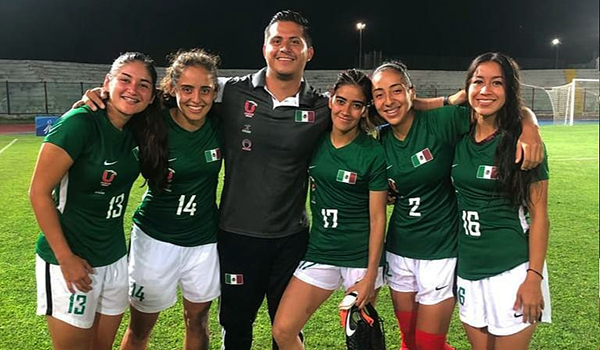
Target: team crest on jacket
{"points": [[247, 145], [304, 116], [107, 177], [250, 108]]}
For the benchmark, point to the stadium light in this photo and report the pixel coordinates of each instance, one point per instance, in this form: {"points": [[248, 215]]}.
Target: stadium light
{"points": [[360, 26], [556, 42]]}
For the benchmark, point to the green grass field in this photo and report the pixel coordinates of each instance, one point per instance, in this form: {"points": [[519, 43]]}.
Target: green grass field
{"points": [[572, 259]]}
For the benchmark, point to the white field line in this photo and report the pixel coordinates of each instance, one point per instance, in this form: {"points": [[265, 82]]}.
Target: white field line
{"points": [[572, 159], [5, 147]]}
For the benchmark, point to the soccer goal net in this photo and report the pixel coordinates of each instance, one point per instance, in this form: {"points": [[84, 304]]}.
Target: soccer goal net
{"points": [[575, 101]]}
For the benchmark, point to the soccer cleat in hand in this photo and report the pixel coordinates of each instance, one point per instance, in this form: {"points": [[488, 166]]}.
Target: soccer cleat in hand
{"points": [[363, 327]]}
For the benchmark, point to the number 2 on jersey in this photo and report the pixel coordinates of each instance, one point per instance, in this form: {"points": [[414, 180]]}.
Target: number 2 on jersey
{"points": [[190, 207], [415, 202], [471, 223], [333, 213]]}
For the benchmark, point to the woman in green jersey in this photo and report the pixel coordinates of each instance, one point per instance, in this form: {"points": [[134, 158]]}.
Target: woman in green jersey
{"points": [[421, 245], [173, 240], [502, 279], [79, 192], [421, 240], [347, 199]]}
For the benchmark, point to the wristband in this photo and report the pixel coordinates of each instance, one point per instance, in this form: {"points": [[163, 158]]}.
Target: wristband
{"points": [[537, 273], [446, 100]]}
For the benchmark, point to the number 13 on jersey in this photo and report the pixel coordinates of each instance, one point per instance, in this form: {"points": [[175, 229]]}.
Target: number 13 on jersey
{"points": [[115, 206]]}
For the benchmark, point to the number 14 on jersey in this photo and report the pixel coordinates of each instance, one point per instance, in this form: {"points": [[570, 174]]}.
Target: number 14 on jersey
{"points": [[188, 206]]}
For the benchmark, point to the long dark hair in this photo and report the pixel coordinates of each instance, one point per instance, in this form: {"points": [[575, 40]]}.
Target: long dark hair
{"points": [[361, 80], [512, 181], [148, 127]]}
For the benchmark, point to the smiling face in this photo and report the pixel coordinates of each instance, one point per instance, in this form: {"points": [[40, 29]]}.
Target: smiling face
{"points": [[195, 93], [348, 105], [130, 88], [286, 50], [487, 94], [392, 98]]}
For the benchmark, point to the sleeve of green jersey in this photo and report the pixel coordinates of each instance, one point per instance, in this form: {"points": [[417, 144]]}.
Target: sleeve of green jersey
{"points": [[542, 171], [378, 177], [71, 131], [450, 122]]}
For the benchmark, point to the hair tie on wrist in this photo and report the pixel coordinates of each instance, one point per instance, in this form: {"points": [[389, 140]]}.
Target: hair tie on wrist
{"points": [[536, 272], [446, 100]]}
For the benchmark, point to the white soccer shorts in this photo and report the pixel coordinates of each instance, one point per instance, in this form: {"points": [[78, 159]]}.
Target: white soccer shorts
{"points": [[432, 280], [156, 268], [489, 302], [331, 277], [108, 295]]}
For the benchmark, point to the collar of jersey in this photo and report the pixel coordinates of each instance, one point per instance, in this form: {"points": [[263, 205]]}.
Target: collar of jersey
{"points": [[259, 81]]}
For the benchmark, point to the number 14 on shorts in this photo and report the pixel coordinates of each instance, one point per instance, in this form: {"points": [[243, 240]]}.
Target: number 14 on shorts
{"points": [[137, 291]]}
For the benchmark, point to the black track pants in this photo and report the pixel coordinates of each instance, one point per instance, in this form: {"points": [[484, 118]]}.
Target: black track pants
{"points": [[250, 269]]}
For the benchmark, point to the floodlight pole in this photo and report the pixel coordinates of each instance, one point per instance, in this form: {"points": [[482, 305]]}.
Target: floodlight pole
{"points": [[360, 26], [556, 42]]}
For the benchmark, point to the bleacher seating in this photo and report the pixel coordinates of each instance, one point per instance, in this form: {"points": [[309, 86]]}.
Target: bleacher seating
{"points": [[65, 82]]}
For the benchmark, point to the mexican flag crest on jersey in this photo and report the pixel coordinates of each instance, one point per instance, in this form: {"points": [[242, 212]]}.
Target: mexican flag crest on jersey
{"points": [[305, 116], [421, 158], [347, 177], [487, 172], [212, 155]]}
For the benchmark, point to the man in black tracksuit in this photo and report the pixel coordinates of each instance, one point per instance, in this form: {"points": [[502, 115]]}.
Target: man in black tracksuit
{"points": [[272, 121]]}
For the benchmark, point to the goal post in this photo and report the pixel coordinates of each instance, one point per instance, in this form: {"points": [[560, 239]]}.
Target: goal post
{"points": [[575, 101]]}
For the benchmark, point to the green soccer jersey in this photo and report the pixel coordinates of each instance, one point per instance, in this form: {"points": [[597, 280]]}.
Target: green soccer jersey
{"points": [[339, 200], [185, 213], [424, 223], [92, 196], [494, 234]]}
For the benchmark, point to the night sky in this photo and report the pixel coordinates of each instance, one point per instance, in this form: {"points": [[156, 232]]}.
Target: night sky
{"points": [[97, 31]]}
